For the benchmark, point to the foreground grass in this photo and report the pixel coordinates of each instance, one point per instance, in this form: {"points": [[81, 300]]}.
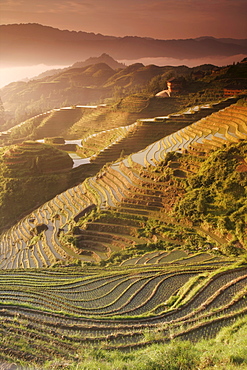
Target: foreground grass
{"points": [[226, 352]]}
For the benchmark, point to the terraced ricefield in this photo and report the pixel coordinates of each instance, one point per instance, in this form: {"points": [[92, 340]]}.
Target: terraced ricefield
{"points": [[60, 310], [48, 124], [134, 188], [108, 146], [126, 268], [31, 158]]}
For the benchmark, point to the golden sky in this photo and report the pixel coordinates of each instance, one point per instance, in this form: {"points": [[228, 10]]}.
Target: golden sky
{"points": [[162, 19]]}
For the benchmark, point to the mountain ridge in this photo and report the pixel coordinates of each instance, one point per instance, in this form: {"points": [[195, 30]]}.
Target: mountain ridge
{"points": [[19, 41]]}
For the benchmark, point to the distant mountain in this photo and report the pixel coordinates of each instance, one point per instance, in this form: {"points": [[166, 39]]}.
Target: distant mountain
{"points": [[242, 42], [103, 58], [29, 44]]}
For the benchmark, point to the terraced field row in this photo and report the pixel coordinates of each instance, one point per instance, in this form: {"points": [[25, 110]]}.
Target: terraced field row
{"points": [[123, 298], [224, 127], [103, 140], [77, 291], [208, 300], [146, 131], [54, 215]]}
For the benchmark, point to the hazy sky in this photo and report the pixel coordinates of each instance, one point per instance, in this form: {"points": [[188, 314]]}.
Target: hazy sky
{"points": [[163, 19]]}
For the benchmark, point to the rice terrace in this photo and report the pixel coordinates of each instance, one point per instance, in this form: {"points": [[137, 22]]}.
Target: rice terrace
{"points": [[137, 258]]}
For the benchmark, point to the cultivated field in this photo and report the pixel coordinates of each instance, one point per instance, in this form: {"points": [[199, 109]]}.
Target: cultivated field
{"points": [[128, 264]]}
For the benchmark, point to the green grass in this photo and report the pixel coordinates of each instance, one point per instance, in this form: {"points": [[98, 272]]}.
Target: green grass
{"points": [[226, 351]]}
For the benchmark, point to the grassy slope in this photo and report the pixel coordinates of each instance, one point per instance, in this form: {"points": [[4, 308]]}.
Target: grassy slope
{"points": [[217, 196], [31, 173], [226, 351], [53, 347]]}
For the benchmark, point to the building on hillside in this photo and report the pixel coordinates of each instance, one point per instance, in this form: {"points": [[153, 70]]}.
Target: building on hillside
{"points": [[175, 85], [163, 94]]}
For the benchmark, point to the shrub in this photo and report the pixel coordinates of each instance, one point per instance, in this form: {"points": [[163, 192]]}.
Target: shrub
{"points": [[217, 193], [175, 356]]}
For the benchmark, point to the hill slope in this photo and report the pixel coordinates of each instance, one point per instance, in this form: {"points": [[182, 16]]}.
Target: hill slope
{"points": [[166, 230], [103, 58], [77, 86], [30, 174], [120, 185], [96, 83], [102, 147]]}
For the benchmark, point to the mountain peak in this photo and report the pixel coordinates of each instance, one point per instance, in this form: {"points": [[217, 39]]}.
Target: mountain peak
{"points": [[202, 38], [103, 58]]}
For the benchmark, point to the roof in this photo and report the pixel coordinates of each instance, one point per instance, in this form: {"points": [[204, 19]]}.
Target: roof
{"points": [[162, 94]]}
